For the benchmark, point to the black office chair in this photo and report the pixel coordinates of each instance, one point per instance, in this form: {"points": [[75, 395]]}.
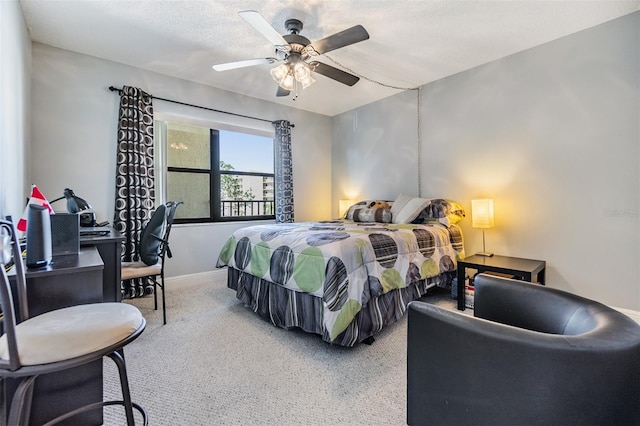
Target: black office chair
{"points": [[153, 248], [58, 340]]}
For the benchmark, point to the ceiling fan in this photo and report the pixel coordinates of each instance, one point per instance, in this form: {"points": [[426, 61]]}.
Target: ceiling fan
{"points": [[294, 53]]}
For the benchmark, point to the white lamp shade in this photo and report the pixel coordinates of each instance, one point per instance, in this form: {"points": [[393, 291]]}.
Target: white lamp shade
{"points": [[301, 71], [279, 73], [482, 213], [307, 82], [288, 83]]}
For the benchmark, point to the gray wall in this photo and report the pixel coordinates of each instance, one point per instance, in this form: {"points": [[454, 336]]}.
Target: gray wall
{"points": [[15, 84], [367, 141], [74, 141], [551, 133]]}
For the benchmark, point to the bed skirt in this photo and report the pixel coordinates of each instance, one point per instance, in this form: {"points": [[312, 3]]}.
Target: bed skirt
{"points": [[290, 309]]}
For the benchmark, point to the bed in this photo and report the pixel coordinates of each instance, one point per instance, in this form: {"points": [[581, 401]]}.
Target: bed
{"points": [[346, 279]]}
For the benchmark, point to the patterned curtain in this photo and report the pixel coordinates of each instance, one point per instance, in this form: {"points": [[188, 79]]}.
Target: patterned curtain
{"points": [[135, 192], [283, 172]]}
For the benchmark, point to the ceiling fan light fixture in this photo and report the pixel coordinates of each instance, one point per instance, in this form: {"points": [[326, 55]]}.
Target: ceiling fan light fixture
{"points": [[288, 82], [301, 71], [307, 82], [279, 73], [286, 75]]}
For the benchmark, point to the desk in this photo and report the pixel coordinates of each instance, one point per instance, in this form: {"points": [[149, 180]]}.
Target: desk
{"points": [[522, 269], [66, 281], [110, 249]]}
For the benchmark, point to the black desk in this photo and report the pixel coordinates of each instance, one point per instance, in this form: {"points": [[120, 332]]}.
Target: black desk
{"points": [[110, 249], [523, 269], [67, 281]]}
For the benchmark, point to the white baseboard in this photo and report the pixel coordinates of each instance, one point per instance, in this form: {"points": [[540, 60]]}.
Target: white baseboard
{"points": [[198, 278]]}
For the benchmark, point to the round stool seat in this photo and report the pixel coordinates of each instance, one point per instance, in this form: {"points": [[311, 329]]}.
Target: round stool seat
{"points": [[72, 332]]}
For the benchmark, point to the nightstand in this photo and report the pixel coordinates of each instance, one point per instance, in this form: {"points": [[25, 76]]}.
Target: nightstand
{"points": [[521, 269]]}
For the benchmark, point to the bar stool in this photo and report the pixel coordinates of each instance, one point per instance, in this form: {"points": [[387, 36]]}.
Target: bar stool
{"points": [[59, 339]]}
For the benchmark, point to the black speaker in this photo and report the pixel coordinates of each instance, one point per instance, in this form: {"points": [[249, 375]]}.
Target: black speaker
{"points": [[65, 234], [38, 237]]}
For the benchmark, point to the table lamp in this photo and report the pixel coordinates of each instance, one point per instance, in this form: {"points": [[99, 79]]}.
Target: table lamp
{"points": [[482, 217], [76, 204], [343, 206]]}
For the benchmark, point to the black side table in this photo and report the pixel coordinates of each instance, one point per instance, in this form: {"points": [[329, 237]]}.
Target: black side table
{"points": [[523, 269]]}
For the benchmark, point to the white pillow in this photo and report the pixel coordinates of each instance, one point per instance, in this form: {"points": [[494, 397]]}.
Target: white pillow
{"points": [[398, 204], [411, 210]]}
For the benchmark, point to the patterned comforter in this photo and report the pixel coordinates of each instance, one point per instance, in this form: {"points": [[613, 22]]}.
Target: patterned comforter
{"points": [[342, 262]]}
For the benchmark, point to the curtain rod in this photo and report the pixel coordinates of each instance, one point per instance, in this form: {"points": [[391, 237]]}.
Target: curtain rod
{"points": [[115, 89]]}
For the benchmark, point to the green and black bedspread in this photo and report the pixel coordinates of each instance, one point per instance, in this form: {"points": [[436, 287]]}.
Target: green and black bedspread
{"points": [[340, 279]]}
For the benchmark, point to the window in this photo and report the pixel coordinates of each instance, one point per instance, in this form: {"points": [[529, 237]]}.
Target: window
{"points": [[221, 175]]}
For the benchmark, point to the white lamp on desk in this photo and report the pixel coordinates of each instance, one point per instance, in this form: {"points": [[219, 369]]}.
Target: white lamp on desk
{"points": [[482, 217]]}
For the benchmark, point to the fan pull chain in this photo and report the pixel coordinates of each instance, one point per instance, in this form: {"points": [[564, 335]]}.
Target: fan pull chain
{"points": [[295, 90], [418, 112]]}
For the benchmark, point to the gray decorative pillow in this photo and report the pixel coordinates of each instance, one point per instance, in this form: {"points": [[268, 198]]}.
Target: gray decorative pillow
{"points": [[380, 215], [440, 210], [359, 205]]}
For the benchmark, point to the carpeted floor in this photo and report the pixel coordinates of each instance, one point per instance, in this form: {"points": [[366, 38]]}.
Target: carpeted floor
{"points": [[216, 362]]}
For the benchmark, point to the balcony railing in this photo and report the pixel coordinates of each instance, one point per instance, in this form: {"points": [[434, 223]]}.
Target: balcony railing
{"points": [[235, 208]]}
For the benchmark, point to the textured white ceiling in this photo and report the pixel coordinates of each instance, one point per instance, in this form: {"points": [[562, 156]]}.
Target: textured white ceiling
{"points": [[411, 42]]}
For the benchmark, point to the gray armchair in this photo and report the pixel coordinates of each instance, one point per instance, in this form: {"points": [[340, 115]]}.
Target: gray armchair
{"points": [[531, 355]]}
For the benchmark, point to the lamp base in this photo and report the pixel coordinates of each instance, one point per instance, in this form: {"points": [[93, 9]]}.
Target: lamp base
{"points": [[484, 254]]}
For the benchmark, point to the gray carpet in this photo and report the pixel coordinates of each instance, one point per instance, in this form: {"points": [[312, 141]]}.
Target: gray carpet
{"points": [[217, 362]]}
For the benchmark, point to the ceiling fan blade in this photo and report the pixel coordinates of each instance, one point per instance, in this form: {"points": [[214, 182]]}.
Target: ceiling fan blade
{"points": [[259, 23], [334, 73], [282, 92], [243, 64], [343, 38]]}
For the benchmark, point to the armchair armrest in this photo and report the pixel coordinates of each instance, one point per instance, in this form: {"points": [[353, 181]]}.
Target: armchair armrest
{"points": [[467, 370]]}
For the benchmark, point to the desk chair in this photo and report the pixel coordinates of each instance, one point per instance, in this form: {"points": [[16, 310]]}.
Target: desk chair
{"points": [[58, 340], [152, 250]]}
